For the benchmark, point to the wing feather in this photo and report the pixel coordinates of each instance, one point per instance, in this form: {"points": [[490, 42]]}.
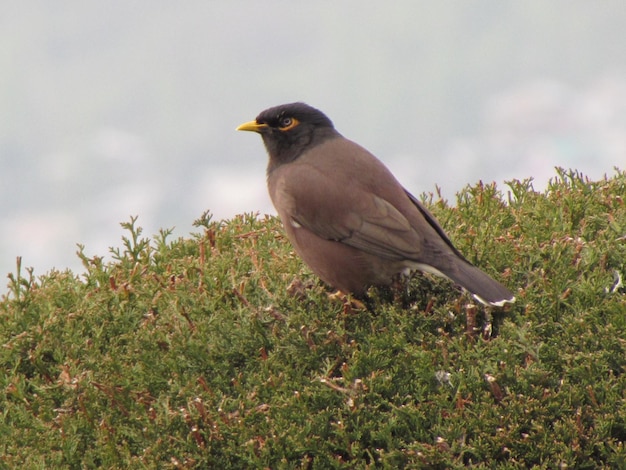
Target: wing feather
{"points": [[349, 214]]}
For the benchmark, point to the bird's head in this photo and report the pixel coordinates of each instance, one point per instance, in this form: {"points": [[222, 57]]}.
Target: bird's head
{"points": [[289, 130]]}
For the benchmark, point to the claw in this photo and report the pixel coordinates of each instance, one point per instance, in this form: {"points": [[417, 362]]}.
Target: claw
{"points": [[350, 304]]}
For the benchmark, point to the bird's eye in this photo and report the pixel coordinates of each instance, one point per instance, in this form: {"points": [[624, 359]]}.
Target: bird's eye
{"points": [[286, 123]]}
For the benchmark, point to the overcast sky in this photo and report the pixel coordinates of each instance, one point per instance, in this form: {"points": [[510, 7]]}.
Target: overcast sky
{"points": [[119, 108]]}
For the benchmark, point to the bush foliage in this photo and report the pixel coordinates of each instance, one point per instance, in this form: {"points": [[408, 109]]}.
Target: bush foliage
{"points": [[222, 350]]}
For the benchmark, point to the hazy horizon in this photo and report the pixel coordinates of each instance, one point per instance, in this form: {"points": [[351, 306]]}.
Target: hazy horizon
{"points": [[119, 109]]}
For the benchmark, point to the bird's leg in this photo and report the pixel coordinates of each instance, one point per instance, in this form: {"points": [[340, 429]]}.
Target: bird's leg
{"points": [[400, 288], [350, 304]]}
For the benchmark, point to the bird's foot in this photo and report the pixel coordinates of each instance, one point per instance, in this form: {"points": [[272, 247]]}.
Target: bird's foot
{"points": [[350, 304]]}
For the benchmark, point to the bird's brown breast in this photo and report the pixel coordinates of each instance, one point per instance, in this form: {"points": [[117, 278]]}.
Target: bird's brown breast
{"points": [[334, 202]]}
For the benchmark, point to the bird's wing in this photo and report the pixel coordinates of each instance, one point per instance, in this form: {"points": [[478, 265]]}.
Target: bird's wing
{"points": [[377, 227], [430, 219], [346, 212]]}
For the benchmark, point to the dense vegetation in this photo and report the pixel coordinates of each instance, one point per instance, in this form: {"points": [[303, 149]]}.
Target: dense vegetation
{"points": [[223, 351]]}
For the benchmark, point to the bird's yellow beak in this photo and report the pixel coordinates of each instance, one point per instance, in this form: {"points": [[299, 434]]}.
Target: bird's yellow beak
{"points": [[252, 126]]}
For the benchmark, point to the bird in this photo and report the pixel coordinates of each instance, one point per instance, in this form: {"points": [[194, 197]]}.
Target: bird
{"points": [[347, 216]]}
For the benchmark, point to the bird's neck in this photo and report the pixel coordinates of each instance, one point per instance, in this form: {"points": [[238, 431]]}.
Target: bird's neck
{"points": [[281, 155]]}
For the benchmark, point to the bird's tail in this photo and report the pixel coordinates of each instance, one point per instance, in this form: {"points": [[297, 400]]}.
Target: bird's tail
{"points": [[485, 289]]}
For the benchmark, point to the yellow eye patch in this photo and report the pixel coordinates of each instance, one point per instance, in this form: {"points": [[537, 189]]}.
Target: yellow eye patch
{"points": [[288, 123]]}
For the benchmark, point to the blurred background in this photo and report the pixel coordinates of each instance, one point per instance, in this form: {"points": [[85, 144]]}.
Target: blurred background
{"points": [[120, 108]]}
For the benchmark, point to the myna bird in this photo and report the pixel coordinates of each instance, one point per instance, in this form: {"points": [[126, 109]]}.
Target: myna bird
{"points": [[347, 216]]}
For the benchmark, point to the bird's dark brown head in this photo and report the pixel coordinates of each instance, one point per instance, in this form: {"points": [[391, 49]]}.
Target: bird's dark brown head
{"points": [[289, 130]]}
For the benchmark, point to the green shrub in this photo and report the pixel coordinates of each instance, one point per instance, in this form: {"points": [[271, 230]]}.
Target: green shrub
{"points": [[223, 351]]}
